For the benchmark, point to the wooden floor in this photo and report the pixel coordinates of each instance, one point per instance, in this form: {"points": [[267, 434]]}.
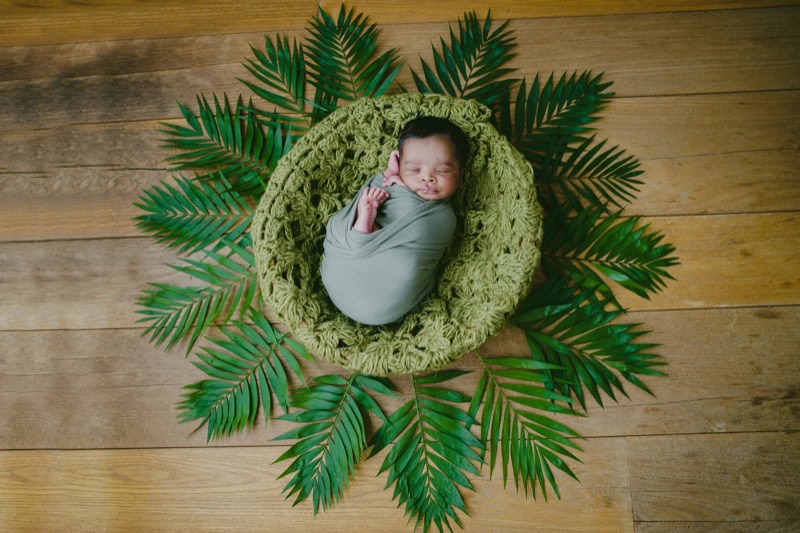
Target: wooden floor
{"points": [[708, 94]]}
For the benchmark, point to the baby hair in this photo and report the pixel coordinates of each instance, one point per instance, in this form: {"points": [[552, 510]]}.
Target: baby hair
{"points": [[427, 126]]}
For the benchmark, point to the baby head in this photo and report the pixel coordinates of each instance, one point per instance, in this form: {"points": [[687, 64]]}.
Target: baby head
{"points": [[432, 156]]}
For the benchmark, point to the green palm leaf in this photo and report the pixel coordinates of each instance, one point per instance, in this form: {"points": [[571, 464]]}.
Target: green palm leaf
{"points": [[542, 122], [530, 444], [281, 68], [233, 143], [589, 174], [245, 369], [432, 452], [194, 215], [332, 436], [176, 313], [622, 250], [568, 326], [471, 65], [342, 60]]}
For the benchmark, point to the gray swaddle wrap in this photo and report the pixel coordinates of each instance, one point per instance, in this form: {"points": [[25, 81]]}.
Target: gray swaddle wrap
{"points": [[377, 278]]}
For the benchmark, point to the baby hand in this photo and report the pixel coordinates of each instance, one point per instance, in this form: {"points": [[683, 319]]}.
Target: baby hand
{"points": [[392, 180], [392, 172]]}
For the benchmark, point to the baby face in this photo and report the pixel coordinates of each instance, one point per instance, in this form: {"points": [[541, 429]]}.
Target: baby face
{"points": [[429, 167]]}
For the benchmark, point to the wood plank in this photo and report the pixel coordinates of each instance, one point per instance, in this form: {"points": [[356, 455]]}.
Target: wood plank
{"points": [[110, 58], [139, 96], [702, 125], [738, 260], [392, 10], [100, 389], [699, 478], [721, 259], [762, 526], [223, 488], [642, 54], [77, 182], [747, 381], [78, 284], [715, 51], [48, 21], [701, 154], [730, 370], [112, 82], [743, 182]]}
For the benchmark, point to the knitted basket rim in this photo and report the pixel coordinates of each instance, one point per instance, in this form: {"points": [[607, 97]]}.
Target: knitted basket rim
{"points": [[485, 273]]}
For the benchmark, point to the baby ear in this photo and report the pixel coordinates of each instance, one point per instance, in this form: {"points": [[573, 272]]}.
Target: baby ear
{"points": [[394, 160], [393, 167]]}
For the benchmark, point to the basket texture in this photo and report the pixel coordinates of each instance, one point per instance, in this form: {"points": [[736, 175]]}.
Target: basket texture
{"points": [[485, 273]]}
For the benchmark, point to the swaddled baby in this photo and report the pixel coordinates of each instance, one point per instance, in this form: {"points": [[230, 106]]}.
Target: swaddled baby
{"points": [[382, 250]]}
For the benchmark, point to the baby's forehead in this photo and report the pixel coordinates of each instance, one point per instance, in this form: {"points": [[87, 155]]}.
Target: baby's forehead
{"points": [[420, 145]]}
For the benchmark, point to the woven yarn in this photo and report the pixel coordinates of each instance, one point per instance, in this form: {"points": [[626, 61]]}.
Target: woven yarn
{"points": [[485, 273]]}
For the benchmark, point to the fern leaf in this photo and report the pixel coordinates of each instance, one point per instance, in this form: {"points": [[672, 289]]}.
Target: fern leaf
{"points": [[332, 436], [569, 327], [176, 313], [232, 143], [472, 64], [622, 250], [433, 451], [245, 369], [342, 60], [530, 444], [194, 215]]}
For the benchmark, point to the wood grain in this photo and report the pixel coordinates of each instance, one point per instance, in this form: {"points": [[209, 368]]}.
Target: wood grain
{"points": [[722, 256], [235, 489], [48, 21], [763, 526], [134, 81], [748, 477], [712, 51], [94, 283], [131, 388], [701, 154], [397, 10], [729, 370], [707, 93], [715, 51]]}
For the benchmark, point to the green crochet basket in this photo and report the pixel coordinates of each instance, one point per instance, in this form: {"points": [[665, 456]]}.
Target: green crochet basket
{"points": [[485, 273]]}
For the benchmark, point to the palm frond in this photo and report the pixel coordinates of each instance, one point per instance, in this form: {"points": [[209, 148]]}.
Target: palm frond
{"points": [[234, 143], [622, 250], [245, 369], [568, 326], [342, 60], [332, 436], [588, 175], [281, 69], [472, 64], [194, 215], [530, 444], [432, 452], [176, 313], [542, 122]]}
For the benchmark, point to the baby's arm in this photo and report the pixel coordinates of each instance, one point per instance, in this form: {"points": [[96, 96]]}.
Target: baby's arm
{"points": [[367, 209], [391, 176]]}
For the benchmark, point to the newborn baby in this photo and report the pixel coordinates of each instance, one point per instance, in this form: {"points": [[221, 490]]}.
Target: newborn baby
{"points": [[382, 250]]}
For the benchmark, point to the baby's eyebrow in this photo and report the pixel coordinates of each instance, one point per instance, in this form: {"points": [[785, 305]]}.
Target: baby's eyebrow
{"points": [[442, 164]]}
